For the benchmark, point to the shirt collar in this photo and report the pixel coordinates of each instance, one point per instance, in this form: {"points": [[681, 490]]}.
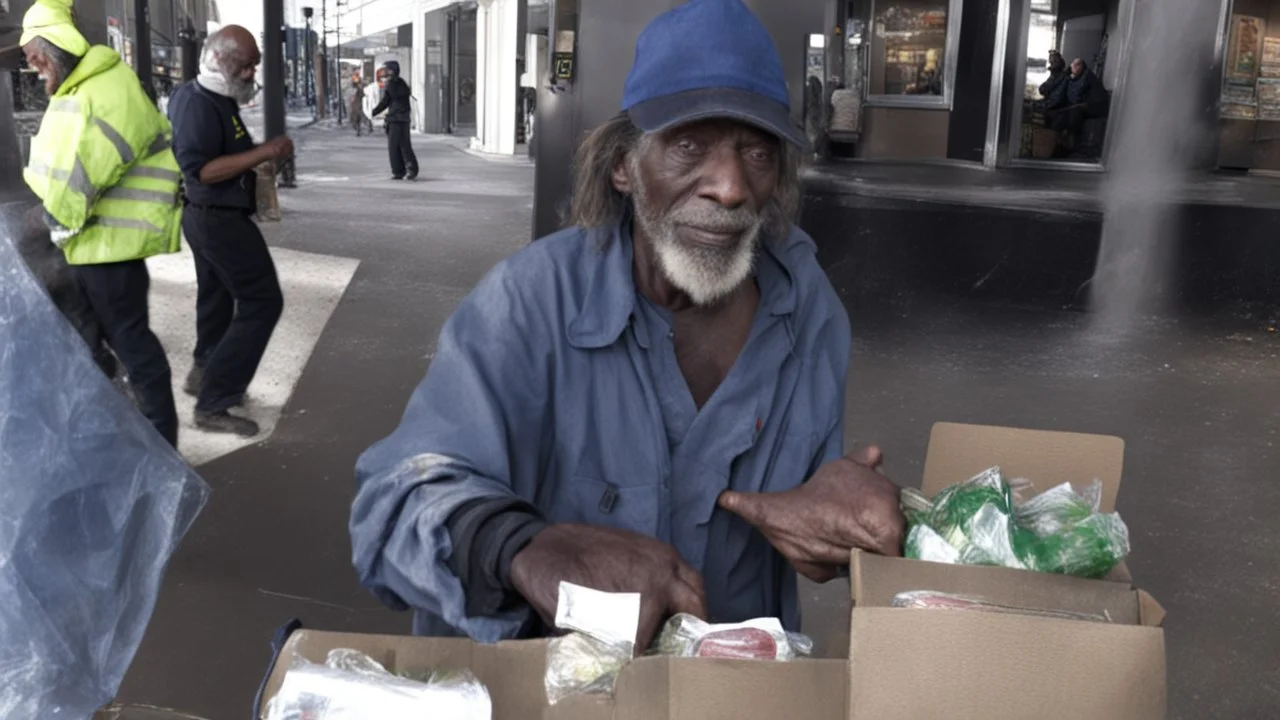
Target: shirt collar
{"points": [[610, 299]]}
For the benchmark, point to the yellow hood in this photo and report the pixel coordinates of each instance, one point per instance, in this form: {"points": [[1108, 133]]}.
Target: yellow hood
{"points": [[51, 20]]}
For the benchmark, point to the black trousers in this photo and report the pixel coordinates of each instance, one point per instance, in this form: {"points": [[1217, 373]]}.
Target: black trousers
{"points": [[400, 150], [238, 301], [118, 294]]}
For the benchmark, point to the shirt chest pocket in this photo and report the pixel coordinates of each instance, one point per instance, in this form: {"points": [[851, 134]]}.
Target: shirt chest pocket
{"points": [[596, 502], [792, 462]]}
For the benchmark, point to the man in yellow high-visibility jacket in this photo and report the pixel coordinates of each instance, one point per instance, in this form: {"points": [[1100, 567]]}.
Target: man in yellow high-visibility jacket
{"points": [[104, 171]]}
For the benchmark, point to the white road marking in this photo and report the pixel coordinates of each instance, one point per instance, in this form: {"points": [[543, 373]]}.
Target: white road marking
{"points": [[312, 284]]}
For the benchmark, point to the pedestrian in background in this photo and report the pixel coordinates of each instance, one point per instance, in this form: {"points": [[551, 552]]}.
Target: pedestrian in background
{"points": [[355, 107], [395, 100], [105, 173], [238, 296]]}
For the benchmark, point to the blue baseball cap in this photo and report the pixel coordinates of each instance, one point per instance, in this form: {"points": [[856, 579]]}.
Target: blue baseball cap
{"points": [[709, 59]]}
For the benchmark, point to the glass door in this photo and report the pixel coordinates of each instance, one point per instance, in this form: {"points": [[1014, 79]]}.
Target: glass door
{"points": [[1067, 70]]}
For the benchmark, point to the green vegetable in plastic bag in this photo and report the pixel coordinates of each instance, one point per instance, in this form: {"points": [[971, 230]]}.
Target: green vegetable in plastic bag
{"points": [[977, 522]]}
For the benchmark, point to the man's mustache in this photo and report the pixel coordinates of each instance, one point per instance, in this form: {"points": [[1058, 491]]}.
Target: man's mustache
{"points": [[716, 218]]}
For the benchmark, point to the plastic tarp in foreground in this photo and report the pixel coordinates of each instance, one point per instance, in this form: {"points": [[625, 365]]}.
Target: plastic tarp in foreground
{"points": [[93, 503]]}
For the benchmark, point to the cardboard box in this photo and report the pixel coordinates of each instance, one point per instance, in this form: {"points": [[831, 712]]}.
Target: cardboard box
{"points": [[902, 663], [512, 671], [906, 663]]}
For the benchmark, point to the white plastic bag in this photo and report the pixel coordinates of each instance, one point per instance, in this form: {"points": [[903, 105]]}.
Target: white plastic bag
{"points": [[601, 640], [353, 686]]}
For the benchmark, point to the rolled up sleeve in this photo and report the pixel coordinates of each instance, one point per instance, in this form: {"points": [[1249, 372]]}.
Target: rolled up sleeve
{"points": [[476, 422]]}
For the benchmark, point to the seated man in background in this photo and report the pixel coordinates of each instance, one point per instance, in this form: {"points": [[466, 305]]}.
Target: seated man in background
{"points": [[1085, 98], [650, 401]]}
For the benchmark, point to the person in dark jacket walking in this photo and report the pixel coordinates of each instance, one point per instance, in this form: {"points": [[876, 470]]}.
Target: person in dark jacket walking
{"points": [[395, 100]]}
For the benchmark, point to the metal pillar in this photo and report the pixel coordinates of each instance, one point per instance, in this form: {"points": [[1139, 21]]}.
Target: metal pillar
{"points": [[273, 67], [310, 91], [324, 54], [190, 52], [142, 46], [337, 42]]}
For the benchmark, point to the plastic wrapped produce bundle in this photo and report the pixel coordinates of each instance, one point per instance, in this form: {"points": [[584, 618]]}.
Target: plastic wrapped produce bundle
{"points": [[978, 522], [601, 640], [757, 639], [93, 503], [353, 686]]}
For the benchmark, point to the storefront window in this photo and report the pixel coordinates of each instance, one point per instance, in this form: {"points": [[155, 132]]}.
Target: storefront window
{"points": [[911, 50]]}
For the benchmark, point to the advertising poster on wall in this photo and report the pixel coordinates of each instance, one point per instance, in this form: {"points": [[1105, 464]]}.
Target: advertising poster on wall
{"points": [[1245, 48]]}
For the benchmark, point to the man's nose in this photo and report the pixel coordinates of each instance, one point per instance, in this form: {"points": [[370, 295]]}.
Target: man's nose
{"points": [[725, 178]]}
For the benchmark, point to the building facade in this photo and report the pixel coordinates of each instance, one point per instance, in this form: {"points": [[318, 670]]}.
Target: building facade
{"points": [[463, 60]]}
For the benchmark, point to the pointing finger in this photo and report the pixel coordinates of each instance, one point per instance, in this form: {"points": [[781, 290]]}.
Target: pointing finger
{"points": [[869, 456], [748, 506]]}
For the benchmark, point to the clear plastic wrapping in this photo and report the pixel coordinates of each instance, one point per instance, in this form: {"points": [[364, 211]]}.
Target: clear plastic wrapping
{"points": [[602, 635], [353, 686], [933, 600], [93, 503], [756, 639], [983, 521]]}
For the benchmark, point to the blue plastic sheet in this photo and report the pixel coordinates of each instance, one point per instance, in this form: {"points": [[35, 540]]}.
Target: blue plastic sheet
{"points": [[93, 503]]}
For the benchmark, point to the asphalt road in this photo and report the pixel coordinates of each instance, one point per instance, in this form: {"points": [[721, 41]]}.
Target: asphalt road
{"points": [[1194, 401]]}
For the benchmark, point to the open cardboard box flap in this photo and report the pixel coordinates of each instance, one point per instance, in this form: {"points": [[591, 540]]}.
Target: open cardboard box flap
{"points": [[958, 452], [512, 671]]}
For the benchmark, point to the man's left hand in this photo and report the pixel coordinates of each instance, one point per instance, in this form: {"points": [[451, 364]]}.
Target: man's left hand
{"points": [[847, 504]]}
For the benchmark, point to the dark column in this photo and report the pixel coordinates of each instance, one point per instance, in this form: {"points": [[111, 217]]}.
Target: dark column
{"points": [[142, 45], [273, 67], [971, 106], [190, 52]]}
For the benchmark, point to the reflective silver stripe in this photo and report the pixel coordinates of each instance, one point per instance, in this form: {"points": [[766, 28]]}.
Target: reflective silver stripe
{"points": [[126, 223], [77, 179], [40, 168], [64, 104], [122, 145], [155, 173], [159, 145], [155, 196], [80, 182]]}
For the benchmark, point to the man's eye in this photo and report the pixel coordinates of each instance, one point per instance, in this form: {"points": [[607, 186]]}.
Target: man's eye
{"points": [[687, 146], [760, 155]]}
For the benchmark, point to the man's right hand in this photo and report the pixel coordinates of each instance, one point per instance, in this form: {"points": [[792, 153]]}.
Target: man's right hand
{"points": [[279, 148], [610, 560]]}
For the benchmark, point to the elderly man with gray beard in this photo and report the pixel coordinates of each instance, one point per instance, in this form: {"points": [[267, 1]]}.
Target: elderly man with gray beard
{"points": [[238, 296], [649, 401]]}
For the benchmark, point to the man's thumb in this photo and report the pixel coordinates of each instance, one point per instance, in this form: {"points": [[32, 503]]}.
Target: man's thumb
{"points": [[869, 456], [747, 506]]}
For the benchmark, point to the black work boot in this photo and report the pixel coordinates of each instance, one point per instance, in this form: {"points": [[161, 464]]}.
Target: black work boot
{"points": [[222, 421], [195, 379], [413, 174]]}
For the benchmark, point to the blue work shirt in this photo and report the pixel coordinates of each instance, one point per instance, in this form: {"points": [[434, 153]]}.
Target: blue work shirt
{"points": [[207, 126], [557, 382]]}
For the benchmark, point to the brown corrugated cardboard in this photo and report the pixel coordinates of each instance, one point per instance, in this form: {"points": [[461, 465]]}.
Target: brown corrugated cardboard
{"points": [[964, 665], [957, 452], [512, 671], [657, 688]]}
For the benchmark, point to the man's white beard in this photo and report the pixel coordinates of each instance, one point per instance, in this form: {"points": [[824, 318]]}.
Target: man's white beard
{"points": [[212, 78], [706, 274]]}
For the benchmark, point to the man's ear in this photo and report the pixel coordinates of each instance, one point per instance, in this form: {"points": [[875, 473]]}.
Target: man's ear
{"points": [[621, 178]]}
